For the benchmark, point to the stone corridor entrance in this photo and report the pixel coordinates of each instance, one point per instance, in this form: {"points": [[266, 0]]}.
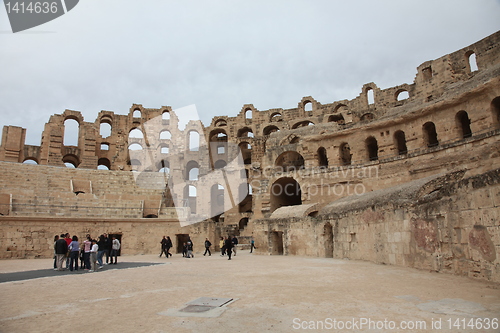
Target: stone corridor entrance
{"points": [[276, 239]]}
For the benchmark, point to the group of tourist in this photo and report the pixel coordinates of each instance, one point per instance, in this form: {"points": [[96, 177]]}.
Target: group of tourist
{"points": [[227, 246], [90, 252]]}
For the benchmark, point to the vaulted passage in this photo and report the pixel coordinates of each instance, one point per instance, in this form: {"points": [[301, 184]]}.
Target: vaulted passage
{"points": [[285, 192]]}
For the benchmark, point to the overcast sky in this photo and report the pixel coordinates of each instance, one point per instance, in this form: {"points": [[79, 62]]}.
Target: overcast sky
{"points": [[220, 55]]}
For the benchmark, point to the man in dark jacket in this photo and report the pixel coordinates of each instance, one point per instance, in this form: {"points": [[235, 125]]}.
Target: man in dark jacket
{"points": [[228, 245], [61, 248], [207, 247]]}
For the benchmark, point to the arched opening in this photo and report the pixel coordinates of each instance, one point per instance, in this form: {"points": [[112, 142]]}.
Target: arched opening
{"points": [[345, 154], [165, 116], [275, 117], [471, 59], [322, 157], [302, 124], [290, 161], [308, 106], [135, 164], [370, 96], [245, 132], [165, 135], [495, 110], [367, 117], [285, 192], [400, 142], [216, 200], [137, 114], [164, 167], [71, 161], [248, 114], [463, 124], [372, 148], [328, 239], [71, 131], [430, 134], [105, 128], [165, 149], [104, 146], [30, 161], [336, 118], [135, 146], [402, 95], [192, 170], [218, 142], [103, 164], [245, 198], [246, 152], [270, 129], [220, 123], [243, 223], [219, 164], [135, 134], [190, 196], [194, 141]]}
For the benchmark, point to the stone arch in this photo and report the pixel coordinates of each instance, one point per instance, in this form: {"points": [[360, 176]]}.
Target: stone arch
{"points": [[400, 142], [372, 148], [71, 131], [495, 111], [219, 164], [322, 157], [30, 160], [370, 95], [244, 198], [105, 126], [463, 124], [165, 116], [345, 155], [367, 116], [471, 61], [401, 95], [135, 146], [270, 129], [246, 152], [285, 191], [308, 106], [220, 123], [137, 113], [217, 200], [103, 163], [336, 118], [71, 160], [248, 113], [290, 161], [190, 197], [430, 134], [275, 117], [194, 141], [245, 132], [302, 123], [165, 135], [192, 170], [135, 133]]}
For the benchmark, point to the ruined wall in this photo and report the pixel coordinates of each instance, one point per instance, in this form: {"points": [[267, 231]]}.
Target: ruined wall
{"points": [[445, 224]]}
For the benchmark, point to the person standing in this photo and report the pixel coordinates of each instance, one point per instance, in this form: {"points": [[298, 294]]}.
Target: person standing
{"points": [[163, 247], [190, 249], [67, 238], [221, 245], [168, 246], [252, 245], [207, 247], [228, 244], [87, 246], [107, 247], [115, 246], [56, 237], [235, 242], [61, 248], [74, 251], [93, 256], [100, 251]]}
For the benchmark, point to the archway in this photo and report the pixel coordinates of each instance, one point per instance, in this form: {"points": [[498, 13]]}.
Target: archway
{"points": [[328, 237], [285, 192]]}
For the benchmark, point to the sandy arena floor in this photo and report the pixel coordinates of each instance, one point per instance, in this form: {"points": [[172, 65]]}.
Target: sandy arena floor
{"points": [[270, 294]]}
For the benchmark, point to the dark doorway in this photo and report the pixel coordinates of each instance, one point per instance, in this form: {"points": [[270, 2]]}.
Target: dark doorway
{"points": [[463, 124], [181, 239], [328, 234], [277, 243]]}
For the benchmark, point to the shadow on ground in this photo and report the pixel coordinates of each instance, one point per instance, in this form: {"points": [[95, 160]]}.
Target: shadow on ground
{"points": [[28, 275]]}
